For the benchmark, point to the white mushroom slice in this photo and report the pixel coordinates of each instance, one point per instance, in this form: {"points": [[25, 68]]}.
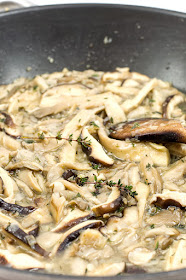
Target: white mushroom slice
{"points": [[176, 256], [71, 219], [151, 175], [169, 198], [170, 105], [162, 230], [41, 215], [111, 205], [9, 143], [135, 152], [56, 94], [140, 256], [114, 110], [131, 104], [6, 220], [32, 180], [74, 232], [175, 171], [48, 239], [9, 186], [21, 260], [92, 238], [25, 158], [165, 217], [123, 73], [107, 269], [95, 151], [142, 195], [57, 205], [40, 82], [178, 149]]}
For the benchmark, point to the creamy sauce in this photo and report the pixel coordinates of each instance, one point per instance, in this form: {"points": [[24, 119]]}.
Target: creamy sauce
{"points": [[74, 200]]}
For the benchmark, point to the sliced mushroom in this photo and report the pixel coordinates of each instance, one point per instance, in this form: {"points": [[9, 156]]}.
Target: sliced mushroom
{"points": [[142, 195], [15, 232], [169, 198], [169, 217], [73, 218], [8, 119], [93, 239], [16, 208], [151, 129], [114, 110], [140, 256], [9, 185], [162, 230], [178, 149], [135, 152], [94, 150], [111, 205], [175, 171], [20, 260], [75, 231], [57, 205], [176, 256], [131, 104], [170, 103]]}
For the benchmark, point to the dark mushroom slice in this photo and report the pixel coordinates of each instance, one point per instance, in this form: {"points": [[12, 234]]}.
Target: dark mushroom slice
{"points": [[169, 198], [22, 210], [151, 129], [34, 231], [94, 149], [70, 173], [75, 217], [15, 232], [111, 205], [8, 119], [165, 105], [74, 232]]}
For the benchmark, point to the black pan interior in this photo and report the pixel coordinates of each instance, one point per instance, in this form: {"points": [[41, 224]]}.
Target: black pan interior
{"points": [[147, 40]]}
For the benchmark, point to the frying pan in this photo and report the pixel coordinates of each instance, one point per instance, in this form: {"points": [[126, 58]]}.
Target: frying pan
{"points": [[100, 37]]}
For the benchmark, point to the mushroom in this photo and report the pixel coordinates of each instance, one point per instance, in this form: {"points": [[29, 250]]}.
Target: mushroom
{"points": [[170, 103], [134, 152], [131, 104], [94, 150], [178, 149], [175, 171], [16, 208], [93, 238], [20, 260], [8, 119], [140, 256], [176, 256], [169, 198], [162, 230], [111, 205], [9, 185], [26, 240], [169, 217], [73, 218], [142, 195], [75, 231], [151, 129]]}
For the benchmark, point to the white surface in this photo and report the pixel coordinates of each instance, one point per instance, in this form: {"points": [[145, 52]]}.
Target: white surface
{"points": [[175, 5]]}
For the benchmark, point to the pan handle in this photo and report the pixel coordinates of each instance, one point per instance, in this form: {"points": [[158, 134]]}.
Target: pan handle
{"points": [[6, 5]]}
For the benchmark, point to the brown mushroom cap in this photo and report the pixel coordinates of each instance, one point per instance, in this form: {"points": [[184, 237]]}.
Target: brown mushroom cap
{"points": [[150, 129]]}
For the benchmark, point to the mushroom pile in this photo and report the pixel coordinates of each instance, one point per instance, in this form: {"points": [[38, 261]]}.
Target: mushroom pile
{"points": [[92, 174]]}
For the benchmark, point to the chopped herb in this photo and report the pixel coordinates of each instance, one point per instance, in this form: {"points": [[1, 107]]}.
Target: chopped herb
{"points": [[157, 245], [120, 209], [41, 136], [94, 193], [94, 124], [84, 142], [151, 100], [35, 87], [59, 136], [79, 120], [152, 226], [136, 124], [70, 138], [95, 166], [111, 120], [81, 180], [29, 141], [3, 120], [156, 112], [110, 183], [148, 166], [181, 226], [95, 75], [77, 195]]}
